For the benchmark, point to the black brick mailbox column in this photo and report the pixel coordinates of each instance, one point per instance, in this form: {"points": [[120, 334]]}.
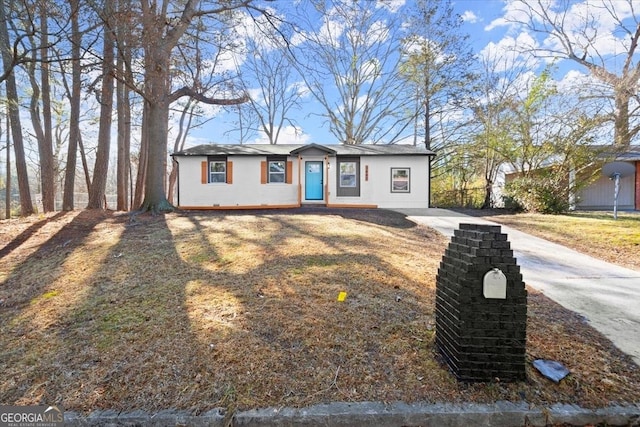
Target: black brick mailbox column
{"points": [[480, 338]]}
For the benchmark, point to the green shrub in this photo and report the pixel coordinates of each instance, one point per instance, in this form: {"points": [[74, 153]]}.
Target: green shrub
{"points": [[545, 192]]}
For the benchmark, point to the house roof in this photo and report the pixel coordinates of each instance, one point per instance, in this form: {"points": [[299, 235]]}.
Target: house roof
{"points": [[294, 149], [629, 155]]}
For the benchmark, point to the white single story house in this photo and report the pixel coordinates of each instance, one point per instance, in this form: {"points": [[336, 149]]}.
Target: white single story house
{"points": [[258, 176]]}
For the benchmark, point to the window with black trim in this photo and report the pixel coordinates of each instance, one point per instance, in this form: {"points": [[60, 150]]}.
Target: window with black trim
{"points": [[348, 176], [400, 180], [217, 169], [277, 169]]}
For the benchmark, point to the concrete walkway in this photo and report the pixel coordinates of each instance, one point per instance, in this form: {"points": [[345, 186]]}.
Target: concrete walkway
{"points": [[608, 296]]}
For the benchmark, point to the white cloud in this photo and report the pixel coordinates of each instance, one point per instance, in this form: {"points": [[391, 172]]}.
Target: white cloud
{"points": [[592, 23], [470, 17], [330, 33], [513, 11], [288, 135], [505, 54], [574, 80]]}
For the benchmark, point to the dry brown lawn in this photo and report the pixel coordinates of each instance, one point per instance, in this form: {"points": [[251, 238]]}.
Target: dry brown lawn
{"points": [[240, 310], [593, 233]]}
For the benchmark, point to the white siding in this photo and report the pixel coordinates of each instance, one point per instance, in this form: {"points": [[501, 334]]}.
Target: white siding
{"points": [[377, 189], [245, 190]]}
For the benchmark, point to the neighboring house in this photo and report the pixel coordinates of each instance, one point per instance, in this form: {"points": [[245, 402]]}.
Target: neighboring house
{"points": [[599, 195], [225, 176]]}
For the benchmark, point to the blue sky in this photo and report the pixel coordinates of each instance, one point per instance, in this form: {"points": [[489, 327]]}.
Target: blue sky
{"points": [[477, 15], [484, 22]]}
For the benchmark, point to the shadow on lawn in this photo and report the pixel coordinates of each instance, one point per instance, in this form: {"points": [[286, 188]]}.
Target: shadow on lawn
{"points": [[25, 281], [202, 311], [26, 234], [169, 318], [120, 340], [384, 217]]}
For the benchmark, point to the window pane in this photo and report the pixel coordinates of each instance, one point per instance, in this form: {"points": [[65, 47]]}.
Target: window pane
{"points": [[400, 180], [276, 167], [348, 168], [218, 177], [279, 177], [348, 174], [400, 174], [218, 172], [218, 166], [277, 171]]}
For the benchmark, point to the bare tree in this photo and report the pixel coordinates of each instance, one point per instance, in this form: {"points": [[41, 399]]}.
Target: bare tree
{"points": [[101, 168], [8, 60], [125, 43], [356, 52], [7, 184], [14, 52], [278, 92], [162, 31], [74, 96], [573, 31], [40, 107], [492, 104], [438, 63]]}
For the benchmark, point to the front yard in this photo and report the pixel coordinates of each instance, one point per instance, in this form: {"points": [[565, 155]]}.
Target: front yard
{"points": [[240, 310]]}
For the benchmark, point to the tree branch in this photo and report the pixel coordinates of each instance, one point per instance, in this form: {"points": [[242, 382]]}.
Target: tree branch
{"points": [[190, 92]]}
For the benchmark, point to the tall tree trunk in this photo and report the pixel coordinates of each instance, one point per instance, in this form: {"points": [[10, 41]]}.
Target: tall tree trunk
{"points": [[26, 205], [74, 116], [154, 196], [124, 147], [622, 136], [47, 163], [123, 64], [45, 150], [101, 168], [427, 113], [7, 193], [85, 163], [157, 92], [486, 203], [143, 156], [124, 144]]}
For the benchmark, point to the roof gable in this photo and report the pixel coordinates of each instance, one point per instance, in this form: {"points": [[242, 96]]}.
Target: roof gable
{"points": [[313, 147]]}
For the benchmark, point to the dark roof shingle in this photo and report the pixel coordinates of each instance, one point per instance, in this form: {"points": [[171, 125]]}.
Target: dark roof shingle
{"points": [[287, 149]]}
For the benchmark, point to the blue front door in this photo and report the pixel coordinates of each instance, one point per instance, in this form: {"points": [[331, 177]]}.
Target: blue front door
{"points": [[313, 181]]}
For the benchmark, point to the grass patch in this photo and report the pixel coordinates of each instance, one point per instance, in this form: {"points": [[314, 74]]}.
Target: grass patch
{"points": [[196, 311], [594, 233]]}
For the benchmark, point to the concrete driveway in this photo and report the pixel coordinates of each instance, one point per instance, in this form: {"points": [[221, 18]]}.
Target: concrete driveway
{"points": [[608, 296]]}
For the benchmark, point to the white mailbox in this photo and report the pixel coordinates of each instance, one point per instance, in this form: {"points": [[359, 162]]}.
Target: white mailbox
{"points": [[494, 284]]}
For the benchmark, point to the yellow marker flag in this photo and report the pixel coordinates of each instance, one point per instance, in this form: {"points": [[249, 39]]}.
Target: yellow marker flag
{"points": [[342, 296]]}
